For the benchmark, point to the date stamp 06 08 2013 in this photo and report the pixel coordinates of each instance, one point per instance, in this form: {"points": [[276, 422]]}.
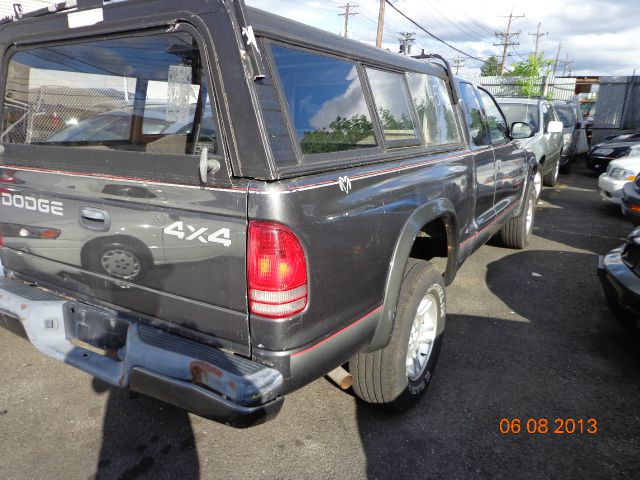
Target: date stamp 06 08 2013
{"points": [[545, 426]]}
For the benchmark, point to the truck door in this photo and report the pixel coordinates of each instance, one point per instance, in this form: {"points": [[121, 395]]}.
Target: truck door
{"points": [[484, 161], [510, 158], [101, 195]]}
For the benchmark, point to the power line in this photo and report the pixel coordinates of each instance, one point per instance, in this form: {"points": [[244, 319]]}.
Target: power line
{"points": [[507, 39], [431, 34]]}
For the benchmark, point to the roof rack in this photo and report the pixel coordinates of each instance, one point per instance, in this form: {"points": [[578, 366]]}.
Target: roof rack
{"points": [[56, 7]]}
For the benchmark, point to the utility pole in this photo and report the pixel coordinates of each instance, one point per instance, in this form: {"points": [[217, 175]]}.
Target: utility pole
{"points": [[555, 64], [383, 3], [538, 35], [347, 13], [406, 40], [457, 63], [566, 65], [506, 39]]}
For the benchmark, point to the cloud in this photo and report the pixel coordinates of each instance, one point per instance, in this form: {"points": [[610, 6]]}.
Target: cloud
{"points": [[599, 35]]}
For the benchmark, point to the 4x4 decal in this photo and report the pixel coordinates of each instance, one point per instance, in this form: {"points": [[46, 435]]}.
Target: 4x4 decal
{"points": [[189, 232]]}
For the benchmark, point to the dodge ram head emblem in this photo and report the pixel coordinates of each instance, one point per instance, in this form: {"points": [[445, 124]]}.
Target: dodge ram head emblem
{"points": [[345, 184]]}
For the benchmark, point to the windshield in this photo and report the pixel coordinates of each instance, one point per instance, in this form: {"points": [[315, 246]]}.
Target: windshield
{"points": [[567, 117], [519, 112]]}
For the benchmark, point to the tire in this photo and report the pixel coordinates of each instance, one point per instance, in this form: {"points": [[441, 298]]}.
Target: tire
{"points": [[516, 233], [383, 377], [120, 260], [566, 168], [550, 179]]}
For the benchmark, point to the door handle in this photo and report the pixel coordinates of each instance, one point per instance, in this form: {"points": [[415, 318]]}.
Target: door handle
{"points": [[95, 219]]}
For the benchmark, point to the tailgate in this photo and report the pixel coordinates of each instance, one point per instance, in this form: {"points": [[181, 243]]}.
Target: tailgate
{"points": [[177, 254], [102, 196]]}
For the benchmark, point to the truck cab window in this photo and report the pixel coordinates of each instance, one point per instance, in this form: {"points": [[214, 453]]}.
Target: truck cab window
{"points": [[138, 93]]}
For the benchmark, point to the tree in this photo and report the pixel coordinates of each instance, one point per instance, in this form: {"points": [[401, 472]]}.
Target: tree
{"points": [[491, 67], [529, 75], [342, 134]]}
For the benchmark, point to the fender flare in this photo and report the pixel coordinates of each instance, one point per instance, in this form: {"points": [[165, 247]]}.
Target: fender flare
{"points": [[438, 209]]}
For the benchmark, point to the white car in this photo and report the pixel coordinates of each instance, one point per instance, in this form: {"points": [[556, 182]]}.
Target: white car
{"points": [[618, 173]]}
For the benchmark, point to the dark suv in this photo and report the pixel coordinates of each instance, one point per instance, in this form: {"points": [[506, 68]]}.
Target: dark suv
{"points": [[293, 204]]}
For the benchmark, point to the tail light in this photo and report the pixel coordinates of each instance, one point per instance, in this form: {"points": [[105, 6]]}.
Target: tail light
{"points": [[277, 271]]}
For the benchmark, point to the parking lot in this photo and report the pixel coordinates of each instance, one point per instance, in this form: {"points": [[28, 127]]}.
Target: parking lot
{"points": [[528, 336]]}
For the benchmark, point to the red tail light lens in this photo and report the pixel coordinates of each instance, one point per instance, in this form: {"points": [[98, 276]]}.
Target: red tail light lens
{"points": [[277, 271]]}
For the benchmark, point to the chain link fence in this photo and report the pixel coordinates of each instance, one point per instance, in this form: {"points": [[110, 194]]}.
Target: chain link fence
{"points": [[48, 110], [552, 88]]}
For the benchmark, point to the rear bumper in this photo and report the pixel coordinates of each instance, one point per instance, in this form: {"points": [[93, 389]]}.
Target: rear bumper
{"points": [[120, 351]]}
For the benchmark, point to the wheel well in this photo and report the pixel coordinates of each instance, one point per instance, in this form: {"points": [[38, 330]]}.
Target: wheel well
{"points": [[432, 243]]}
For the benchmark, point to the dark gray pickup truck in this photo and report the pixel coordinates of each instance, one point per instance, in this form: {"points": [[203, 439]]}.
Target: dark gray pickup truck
{"points": [[215, 206]]}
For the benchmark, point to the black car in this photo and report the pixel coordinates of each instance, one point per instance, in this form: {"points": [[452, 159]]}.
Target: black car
{"points": [[619, 272], [631, 200], [612, 148]]}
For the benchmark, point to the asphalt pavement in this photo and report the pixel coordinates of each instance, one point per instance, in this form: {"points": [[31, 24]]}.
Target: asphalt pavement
{"points": [[529, 337]]}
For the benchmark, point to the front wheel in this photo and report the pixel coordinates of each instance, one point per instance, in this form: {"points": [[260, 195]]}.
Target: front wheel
{"points": [[397, 375]]}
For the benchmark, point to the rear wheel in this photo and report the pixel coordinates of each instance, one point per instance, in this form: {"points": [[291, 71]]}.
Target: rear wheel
{"points": [[566, 168], [397, 375], [516, 233]]}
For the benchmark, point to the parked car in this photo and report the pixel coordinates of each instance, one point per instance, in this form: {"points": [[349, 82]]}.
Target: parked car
{"points": [[619, 272], [345, 187], [631, 200], [569, 115], [617, 146], [546, 143], [619, 172]]}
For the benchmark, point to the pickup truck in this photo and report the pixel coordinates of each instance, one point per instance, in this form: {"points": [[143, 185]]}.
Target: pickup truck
{"points": [[214, 206]]}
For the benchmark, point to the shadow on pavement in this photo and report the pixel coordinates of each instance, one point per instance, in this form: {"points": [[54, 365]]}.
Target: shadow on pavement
{"points": [[574, 214], [562, 355], [144, 438]]}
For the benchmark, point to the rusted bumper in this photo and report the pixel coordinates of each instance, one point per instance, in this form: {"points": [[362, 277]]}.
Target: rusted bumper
{"points": [[123, 352]]}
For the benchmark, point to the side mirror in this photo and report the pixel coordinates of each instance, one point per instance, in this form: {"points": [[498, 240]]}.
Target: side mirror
{"points": [[521, 130], [555, 127]]}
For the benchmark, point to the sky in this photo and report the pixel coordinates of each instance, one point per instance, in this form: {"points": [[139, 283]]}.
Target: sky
{"points": [[601, 37]]}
